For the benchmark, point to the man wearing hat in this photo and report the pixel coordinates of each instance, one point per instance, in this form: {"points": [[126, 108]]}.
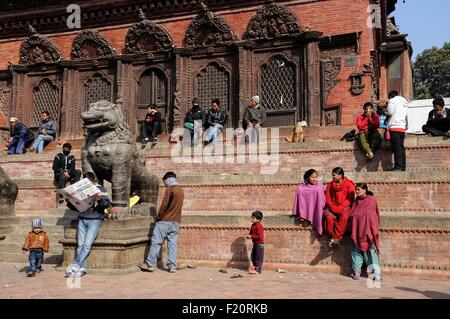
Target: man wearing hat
{"points": [[255, 115], [20, 137], [195, 121]]}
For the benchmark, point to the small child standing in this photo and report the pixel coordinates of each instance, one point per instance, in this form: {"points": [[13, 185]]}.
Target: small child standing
{"points": [[36, 243], [257, 237]]}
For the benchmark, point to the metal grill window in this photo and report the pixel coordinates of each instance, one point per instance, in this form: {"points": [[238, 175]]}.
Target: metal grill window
{"points": [[213, 82], [278, 85], [160, 89], [97, 88], [45, 98], [152, 88], [145, 89]]}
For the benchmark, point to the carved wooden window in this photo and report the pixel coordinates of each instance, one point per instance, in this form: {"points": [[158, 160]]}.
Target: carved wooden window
{"points": [[97, 88], [213, 82], [278, 85], [152, 89], [45, 98]]}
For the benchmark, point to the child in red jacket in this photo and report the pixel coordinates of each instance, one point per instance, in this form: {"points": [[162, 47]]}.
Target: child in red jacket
{"points": [[257, 237]]}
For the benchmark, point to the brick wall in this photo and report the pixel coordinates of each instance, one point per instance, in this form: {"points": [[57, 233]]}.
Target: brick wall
{"points": [[299, 161], [294, 246], [330, 17], [273, 197], [295, 161]]}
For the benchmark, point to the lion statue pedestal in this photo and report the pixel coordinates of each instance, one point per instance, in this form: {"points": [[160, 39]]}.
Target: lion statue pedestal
{"points": [[120, 246], [111, 154], [8, 196]]}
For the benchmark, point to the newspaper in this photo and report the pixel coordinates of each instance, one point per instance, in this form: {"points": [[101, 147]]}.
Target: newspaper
{"points": [[82, 194]]}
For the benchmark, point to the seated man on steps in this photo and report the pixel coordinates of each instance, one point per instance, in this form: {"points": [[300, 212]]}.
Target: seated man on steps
{"points": [[20, 137], [151, 127], [438, 123], [46, 134], [64, 169], [216, 120]]}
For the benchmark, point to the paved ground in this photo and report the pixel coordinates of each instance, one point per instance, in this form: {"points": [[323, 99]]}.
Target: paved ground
{"points": [[203, 282]]}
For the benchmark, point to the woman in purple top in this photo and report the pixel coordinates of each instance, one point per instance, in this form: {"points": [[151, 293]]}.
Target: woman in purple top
{"points": [[310, 200]]}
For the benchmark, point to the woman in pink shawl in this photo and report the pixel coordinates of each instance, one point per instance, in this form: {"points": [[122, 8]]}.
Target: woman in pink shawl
{"points": [[365, 223], [310, 200]]}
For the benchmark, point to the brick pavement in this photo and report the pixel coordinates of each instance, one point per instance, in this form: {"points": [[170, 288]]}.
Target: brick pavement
{"points": [[203, 282]]}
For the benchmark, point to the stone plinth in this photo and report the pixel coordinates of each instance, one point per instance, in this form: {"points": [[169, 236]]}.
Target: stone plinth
{"points": [[119, 248]]}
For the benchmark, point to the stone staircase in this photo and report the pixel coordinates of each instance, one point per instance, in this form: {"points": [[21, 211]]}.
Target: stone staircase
{"points": [[54, 222], [222, 190]]}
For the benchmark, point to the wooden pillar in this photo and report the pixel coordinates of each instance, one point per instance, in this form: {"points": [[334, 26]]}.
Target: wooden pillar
{"points": [[313, 83]]}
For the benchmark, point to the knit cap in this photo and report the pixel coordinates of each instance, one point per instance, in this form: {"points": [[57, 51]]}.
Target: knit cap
{"points": [[37, 223]]}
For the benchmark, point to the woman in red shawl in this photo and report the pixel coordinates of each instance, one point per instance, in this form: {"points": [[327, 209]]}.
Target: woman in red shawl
{"points": [[365, 223], [340, 194]]}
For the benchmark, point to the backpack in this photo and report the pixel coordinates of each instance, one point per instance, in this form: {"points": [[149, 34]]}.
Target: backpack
{"points": [[349, 136]]}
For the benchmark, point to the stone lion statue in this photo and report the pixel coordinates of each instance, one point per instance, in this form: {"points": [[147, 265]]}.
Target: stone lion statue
{"points": [[111, 154], [8, 195]]}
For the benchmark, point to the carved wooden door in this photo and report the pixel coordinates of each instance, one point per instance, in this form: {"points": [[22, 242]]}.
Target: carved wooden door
{"points": [[278, 91], [214, 82], [152, 89], [45, 98], [97, 88]]}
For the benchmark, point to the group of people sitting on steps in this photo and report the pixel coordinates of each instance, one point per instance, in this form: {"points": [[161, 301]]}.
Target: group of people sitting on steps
{"points": [[390, 123], [208, 124], [21, 138], [341, 207]]}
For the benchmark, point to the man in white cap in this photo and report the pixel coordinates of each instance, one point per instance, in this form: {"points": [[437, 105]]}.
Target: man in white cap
{"points": [[255, 115], [20, 137]]}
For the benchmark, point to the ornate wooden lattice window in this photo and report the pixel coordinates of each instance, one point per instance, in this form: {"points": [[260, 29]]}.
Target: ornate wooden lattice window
{"points": [[96, 88], [152, 88], [213, 82], [278, 84], [45, 98], [278, 80]]}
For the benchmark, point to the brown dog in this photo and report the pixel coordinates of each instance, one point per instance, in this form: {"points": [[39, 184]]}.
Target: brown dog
{"points": [[297, 135]]}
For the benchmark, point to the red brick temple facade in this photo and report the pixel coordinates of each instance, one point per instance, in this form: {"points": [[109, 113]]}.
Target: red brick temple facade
{"points": [[312, 60]]}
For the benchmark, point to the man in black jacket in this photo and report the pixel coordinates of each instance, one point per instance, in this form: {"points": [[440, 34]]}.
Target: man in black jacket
{"points": [[151, 127], [64, 169], [89, 223], [216, 120], [438, 123], [195, 121]]}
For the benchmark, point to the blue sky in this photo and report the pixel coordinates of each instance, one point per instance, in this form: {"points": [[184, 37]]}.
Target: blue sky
{"points": [[425, 21]]}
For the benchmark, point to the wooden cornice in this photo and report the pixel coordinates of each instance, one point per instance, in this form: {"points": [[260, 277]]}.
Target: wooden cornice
{"points": [[49, 16]]}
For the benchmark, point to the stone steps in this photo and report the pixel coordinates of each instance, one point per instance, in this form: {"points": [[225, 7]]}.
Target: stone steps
{"points": [[391, 221], [20, 257], [426, 190], [422, 154], [55, 248]]}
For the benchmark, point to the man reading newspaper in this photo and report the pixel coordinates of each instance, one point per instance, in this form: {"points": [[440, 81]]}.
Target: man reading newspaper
{"points": [[91, 200]]}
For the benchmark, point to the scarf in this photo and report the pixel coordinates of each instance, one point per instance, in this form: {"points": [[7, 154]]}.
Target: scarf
{"points": [[310, 203], [365, 223], [171, 181]]}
